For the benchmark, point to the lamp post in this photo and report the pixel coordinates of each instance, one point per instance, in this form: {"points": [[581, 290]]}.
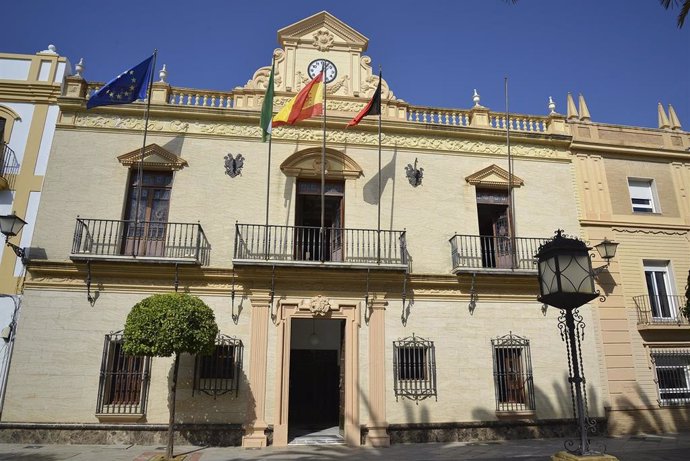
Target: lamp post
{"points": [[566, 281], [11, 225]]}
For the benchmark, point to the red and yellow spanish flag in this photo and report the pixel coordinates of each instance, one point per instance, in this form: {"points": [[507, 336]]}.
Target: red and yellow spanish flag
{"points": [[308, 103]]}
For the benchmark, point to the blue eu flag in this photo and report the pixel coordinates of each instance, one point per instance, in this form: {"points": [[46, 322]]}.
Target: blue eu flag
{"points": [[125, 88]]}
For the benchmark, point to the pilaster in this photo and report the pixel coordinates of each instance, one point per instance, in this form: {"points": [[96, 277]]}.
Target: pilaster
{"points": [[378, 426], [160, 93], [255, 426], [479, 117]]}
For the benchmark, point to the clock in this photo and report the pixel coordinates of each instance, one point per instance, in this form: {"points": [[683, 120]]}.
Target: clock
{"points": [[315, 66]]}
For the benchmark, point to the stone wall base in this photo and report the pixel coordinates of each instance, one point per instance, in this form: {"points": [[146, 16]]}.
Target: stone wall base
{"points": [[217, 435], [487, 430]]}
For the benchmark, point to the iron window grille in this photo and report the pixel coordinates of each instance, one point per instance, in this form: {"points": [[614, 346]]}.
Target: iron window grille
{"points": [[124, 379], [414, 368], [218, 373], [513, 373], [672, 375]]}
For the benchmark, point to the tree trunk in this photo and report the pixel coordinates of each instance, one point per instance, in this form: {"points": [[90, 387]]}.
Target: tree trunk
{"points": [[171, 404]]}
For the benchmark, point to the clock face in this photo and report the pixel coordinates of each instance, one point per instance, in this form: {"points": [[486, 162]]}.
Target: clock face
{"points": [[315, 68]]}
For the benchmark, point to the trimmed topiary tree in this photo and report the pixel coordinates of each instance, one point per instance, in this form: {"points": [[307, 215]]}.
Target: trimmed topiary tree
{"points": [[167, 325]]}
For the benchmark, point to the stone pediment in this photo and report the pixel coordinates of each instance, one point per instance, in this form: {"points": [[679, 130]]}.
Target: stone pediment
{"points": [[494, 177], [322, 31], [319, 37], [307, 164], [155, 157]]}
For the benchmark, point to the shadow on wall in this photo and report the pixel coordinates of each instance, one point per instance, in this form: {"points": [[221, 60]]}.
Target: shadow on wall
{"points": [[558, 405], [371, 188], [216, 421], [652, 418]]}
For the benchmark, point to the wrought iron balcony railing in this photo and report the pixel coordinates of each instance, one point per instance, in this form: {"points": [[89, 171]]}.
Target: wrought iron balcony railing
{"points": [[300, 245], [9, 167], [147, 241], [660, 310], [470, 252]]}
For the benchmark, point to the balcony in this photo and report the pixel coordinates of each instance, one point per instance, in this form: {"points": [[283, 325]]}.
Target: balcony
{"points": [[148, 241], [9, 167], [257, 244], [484, 253], [660, 311]]}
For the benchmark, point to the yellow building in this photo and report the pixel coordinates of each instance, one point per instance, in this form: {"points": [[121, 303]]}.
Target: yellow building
{"points": [[423, 327], [29, 88], [633, 184]]}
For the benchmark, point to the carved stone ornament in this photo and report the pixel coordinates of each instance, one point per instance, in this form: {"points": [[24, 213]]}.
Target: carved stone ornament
{"points": [[323, 40], [319, 305], [233, 166], [414, 174]]}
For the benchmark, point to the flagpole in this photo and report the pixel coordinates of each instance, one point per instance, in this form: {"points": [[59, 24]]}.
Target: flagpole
{"points": [[511, 216], [140, 166], [268, 169], [323, 168], [378, 228]]}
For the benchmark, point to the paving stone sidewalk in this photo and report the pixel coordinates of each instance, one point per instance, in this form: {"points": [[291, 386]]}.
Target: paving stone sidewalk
{"points": [[670, 447]]}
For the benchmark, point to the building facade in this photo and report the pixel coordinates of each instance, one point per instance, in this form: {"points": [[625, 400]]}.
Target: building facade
{"points": [[633, 183], [29, 88], [404, 309]]}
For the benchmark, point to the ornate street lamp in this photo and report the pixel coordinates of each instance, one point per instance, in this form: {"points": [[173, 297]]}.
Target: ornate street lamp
{"points": [[11, 225], [566, 281]]}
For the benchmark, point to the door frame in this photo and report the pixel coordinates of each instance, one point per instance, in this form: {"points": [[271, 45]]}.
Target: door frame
{"points": [[307, 309]]}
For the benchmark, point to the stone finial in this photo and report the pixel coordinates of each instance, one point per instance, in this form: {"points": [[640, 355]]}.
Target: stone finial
{"points": [[584, 111], [572, 110], [163, 74], [552, 106], [673, 118], [476, 98], [663, 119], [79, 67], [51, 50]]}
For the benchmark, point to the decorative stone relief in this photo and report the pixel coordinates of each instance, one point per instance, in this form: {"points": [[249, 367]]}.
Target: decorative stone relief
{"points": [[303, 134], [233, 166], [371, 81], [260, 78], [323, 40], [318, 305]]}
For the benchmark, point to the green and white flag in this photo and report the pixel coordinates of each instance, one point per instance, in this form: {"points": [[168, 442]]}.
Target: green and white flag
{"points": [[267, 108]]}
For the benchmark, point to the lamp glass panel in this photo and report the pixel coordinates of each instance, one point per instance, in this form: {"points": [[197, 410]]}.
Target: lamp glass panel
{"points": [[576, 273], [11, 224], [548, 281]]}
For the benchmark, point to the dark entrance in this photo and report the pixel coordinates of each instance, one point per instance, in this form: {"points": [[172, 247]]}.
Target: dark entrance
{"points": [[310, 243], [493, 213], [315, 377]]}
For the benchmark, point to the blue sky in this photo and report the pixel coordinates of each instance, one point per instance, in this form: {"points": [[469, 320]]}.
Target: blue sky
{"points": [[624, 56]]}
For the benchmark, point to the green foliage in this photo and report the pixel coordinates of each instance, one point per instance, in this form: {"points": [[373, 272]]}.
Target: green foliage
{"points": [[167, 324], [686, 309]]}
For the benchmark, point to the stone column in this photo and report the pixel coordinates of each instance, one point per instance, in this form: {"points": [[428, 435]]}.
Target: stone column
{"points": [[377, 435], [255, 426]]}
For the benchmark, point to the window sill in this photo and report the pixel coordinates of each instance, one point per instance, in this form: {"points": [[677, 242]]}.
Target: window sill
{"points": [[125, 418], [515, 414]]}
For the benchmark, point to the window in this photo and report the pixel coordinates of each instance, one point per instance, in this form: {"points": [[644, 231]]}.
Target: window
{"points": [[414, 368], [642, 195], [672, 375], [218, 373], [513, 373], [124, 379], [661, 300]]}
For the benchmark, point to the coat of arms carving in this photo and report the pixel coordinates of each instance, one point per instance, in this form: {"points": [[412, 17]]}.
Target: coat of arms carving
{"points": [[233, 166], [319, 305]]}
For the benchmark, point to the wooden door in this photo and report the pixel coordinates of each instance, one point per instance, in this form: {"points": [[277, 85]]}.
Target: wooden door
{"points": [[146, 224], [502, 241]]}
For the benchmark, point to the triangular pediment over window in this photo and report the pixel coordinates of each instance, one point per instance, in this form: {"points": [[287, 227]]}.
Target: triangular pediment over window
{"points": [[307, 164], [155, 158], [494, 177]]}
